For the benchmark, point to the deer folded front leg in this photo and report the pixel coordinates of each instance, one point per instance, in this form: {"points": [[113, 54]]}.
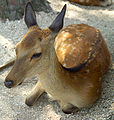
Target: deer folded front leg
{"points": [[37, 91]]}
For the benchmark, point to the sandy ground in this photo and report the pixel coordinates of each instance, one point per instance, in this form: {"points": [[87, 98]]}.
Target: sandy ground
{"points": [[12, 101]]}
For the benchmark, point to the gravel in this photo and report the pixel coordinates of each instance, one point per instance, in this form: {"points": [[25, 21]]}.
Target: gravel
{"points": [[12, 101]]}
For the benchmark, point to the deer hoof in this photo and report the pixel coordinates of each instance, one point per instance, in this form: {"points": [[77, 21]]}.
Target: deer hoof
{"points": [[70, 110]]}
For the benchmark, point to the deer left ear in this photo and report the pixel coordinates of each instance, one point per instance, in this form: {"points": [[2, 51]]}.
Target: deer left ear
{"points": [[30, 16], [57, 24]]}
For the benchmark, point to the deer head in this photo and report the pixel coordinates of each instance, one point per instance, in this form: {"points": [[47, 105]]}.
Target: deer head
{"points": [[32, 52]]}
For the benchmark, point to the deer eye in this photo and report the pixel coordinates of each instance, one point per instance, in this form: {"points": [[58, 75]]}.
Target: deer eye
{"points": [[36, 55]]}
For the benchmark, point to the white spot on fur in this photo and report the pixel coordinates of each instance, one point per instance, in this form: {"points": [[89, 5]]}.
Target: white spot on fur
{"points": [[69, 39], [62, 32], [61, 48], [70, 26], [62, 43], [64, 64], [70, 53], [63, 39], [90, 48], [63, 52], [73, 48], [63, 58], [69, 45], [56, 45], [66, 34], [67, 30]]}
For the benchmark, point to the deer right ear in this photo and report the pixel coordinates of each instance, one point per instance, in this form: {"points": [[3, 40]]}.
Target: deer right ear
{"points": [[30, 16], [57, 24]]}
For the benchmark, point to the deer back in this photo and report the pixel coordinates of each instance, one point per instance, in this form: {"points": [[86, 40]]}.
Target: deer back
{"points": [[93, 2]]}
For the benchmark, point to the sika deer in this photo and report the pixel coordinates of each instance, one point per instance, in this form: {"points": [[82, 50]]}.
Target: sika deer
{"points": [[69, 68], [93, 2]]}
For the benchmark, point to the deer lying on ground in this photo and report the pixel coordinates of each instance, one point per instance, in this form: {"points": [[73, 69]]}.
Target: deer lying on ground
{"points": [[69, 62], [93, 2]]}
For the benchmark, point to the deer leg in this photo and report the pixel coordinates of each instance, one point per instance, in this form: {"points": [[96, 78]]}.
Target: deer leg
{"points": [[34, 95], [68, 108]]}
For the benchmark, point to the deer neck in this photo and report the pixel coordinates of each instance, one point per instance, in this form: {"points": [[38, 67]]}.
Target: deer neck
{"points": [[53, 61]]}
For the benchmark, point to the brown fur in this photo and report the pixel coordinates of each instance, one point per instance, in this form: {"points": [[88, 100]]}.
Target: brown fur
{"points": [[93, 2]]}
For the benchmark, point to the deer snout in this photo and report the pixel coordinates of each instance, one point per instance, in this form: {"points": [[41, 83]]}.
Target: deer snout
{"points": [[8, 83], [11, 82]]}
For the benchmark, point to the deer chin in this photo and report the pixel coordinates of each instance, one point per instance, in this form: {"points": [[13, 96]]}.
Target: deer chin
{"points": [[18, 83]]}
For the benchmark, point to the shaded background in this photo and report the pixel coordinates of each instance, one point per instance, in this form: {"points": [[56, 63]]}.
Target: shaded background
{"points": [[14, 9]]}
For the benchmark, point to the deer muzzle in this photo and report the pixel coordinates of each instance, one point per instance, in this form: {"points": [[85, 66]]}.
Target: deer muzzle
{"points": [[8, 83]]}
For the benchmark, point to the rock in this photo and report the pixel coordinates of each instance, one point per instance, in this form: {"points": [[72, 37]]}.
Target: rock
{"points": [[14, 9]]}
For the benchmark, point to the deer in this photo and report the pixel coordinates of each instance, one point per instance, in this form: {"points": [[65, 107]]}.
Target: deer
{"points": [[69, 62], [102, 3]]}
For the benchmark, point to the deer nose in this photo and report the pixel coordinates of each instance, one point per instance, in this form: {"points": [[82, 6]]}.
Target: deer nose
{"points": [[8, 83]]}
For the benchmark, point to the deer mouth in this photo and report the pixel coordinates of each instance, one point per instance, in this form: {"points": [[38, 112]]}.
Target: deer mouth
{"points": [[11, 83]]}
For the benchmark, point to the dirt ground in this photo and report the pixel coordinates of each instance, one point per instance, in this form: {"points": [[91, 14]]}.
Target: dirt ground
{"points": [[12, 101]]}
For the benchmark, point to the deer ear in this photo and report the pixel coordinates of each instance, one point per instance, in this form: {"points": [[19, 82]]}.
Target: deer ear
{"points": [[29, 17], [57, 24]]}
